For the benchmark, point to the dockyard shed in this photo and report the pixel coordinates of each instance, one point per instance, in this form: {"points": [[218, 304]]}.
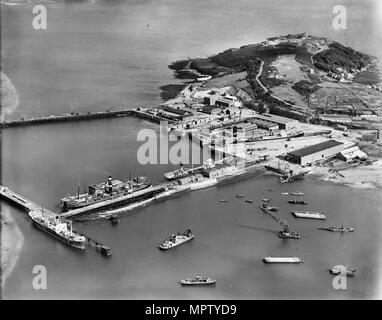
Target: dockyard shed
{"points": [[351, 154], [267, 125], [283, 122], [316, 152]]}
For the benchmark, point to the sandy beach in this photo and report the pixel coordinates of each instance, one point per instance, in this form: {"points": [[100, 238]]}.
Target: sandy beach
{"points": [[359, 177], [11, 243]]}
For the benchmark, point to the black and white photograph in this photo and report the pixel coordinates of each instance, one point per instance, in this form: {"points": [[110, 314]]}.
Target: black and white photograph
{"points": [[183, 150]]}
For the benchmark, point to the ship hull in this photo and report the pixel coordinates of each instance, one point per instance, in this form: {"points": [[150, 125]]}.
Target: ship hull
{"points": [[74, 244], [161, 247], [316, 216], [282, 260], [67, 206], [187, 283]]}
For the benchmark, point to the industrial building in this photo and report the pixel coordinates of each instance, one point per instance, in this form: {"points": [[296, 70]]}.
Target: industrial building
{"points": [[244, 129], [263, 124], [282, 122], [316, 152], [351, 154]]}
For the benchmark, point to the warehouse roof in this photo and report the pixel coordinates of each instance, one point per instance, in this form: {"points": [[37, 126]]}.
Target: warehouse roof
{"points": [[314, 148], [274, 118]]}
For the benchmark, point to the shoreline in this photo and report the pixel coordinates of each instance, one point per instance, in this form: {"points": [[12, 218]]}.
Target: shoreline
{"points": [[366, 177], [12, 241]]}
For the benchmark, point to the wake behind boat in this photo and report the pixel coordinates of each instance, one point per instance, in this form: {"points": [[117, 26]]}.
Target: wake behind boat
{"points": [[176, 240]]}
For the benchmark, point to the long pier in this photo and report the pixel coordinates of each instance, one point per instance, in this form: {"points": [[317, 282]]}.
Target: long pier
{"points": [[27, 205], [137, 112]]}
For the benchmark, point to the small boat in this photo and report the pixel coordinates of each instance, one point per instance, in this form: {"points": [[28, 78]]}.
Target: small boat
{"points": [[282, 260], [248, 201], [309, 215], [337, 229], [284, 193], [292, 201], [271, 189], [343, 270], [240, 195], [223, 200], [266, 206], [177, 174], [114, 219], [176, 240], [198, 280], [287, 234], [297, 193]]}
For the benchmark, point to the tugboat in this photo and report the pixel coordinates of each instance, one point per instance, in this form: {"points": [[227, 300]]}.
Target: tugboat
{"points": [[177, 174], [114, 219], [287, 234], [265, 206], [337, 229], [343, 271], [297, 193], [176, 240], [198, 280], [58, 229], [293, 201]]}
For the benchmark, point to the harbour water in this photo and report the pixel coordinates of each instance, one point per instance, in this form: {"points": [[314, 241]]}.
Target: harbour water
{"points": [[113, 54]]}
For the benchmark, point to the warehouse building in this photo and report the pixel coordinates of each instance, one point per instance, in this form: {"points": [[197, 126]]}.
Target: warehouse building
{"points": [[266, 125], [351, 154], [316, 152], [283, 122]]}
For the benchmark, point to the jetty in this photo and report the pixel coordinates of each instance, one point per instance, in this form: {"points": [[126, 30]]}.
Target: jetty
{"points": [[76, 116], [27, 205]]}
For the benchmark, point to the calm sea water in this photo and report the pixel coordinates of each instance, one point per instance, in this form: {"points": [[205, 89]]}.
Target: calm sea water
{"points": [[114, 54]]}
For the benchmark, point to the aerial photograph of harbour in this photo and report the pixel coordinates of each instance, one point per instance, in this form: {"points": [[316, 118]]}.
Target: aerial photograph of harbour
{"points": [[191, 150]]}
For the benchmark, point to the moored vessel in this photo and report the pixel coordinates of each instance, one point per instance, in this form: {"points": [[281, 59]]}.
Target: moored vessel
{"points": [[198, 280], [309, 215], [337, 229], [111, 189], [343, 270], [293, 201], [177, 174], [176, 240], [282, 260], [59, 229], [287, 234], [265, 206]]}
